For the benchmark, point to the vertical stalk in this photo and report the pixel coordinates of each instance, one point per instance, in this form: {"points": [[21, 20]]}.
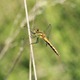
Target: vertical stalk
{"points": [[30, 41]]}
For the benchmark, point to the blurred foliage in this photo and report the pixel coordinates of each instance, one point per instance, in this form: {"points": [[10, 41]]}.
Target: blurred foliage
{"points": [[64, 16]]}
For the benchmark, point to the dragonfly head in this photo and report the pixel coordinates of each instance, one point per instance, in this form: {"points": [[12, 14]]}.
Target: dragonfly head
{"points": [[35, 31]]}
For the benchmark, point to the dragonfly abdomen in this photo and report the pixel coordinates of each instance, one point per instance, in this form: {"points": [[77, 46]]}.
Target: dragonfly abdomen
{"points": [[53, 48]]}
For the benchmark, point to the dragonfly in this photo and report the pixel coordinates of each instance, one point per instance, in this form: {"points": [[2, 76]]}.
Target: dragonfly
{"points": [[39, 34]]}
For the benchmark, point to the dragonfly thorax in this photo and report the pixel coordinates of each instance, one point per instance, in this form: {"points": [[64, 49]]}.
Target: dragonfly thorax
{"points": [[38, 33]]}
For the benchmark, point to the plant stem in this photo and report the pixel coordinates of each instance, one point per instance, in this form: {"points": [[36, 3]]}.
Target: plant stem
{"points": [[30, 41]]}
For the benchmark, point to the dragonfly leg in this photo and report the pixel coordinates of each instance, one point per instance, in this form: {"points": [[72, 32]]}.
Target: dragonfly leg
{"points": [[37, 40], [32, 36]]}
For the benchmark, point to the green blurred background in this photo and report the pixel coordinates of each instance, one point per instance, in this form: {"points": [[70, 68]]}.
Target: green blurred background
{"points": [[64, 17]]}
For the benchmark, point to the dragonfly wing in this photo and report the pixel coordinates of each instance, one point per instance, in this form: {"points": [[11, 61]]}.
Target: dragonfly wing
{"points": [[48, 31]]}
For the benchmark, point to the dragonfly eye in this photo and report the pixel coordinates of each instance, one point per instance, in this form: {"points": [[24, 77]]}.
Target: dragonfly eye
{"points": [[37, 30]]}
